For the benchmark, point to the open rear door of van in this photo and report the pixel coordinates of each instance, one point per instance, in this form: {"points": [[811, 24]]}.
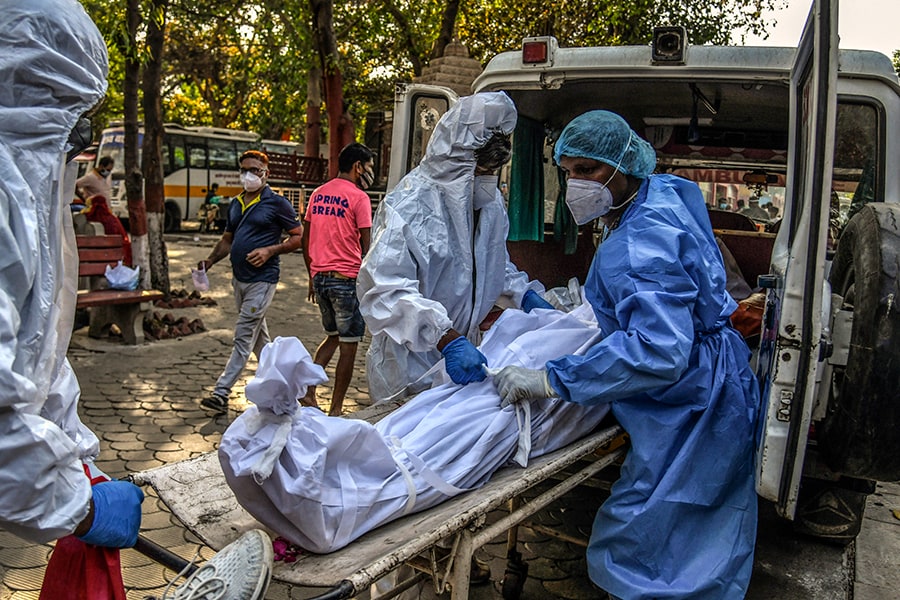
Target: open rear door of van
{"points": [[417, 108], [792, 334]]}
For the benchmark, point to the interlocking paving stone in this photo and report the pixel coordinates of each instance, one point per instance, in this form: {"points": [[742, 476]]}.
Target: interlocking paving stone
{"points": [[131, 445], [132, 455], [573, 589], [24, 558], [18, 595], [168, 537], [156, 520], [168, 445], [545, 569], [24, 579], [551, 549], [9, 541], [113, 468], [171, 456], [145, 577], [154, 414], [132, 558], [136, 466], [153, 436]]}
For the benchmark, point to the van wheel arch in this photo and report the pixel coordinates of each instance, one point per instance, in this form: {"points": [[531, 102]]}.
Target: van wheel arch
{"points": [[860, 435]]}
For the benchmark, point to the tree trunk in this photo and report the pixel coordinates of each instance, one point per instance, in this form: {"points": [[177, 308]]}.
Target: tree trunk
{"points": [[154, 186], [334, 104], [313, 114], [134, 180], [408, 37], [326, 43], [448, 25]]}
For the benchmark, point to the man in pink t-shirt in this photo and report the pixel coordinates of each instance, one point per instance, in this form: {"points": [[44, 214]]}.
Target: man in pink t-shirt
{"points": [[336, 231]]}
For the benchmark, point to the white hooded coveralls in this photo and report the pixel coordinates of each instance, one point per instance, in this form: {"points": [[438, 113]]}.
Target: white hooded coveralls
{"points": [[438, 258], [53, 67]]}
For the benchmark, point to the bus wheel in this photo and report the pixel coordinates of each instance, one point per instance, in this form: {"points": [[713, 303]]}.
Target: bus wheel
{"points": [[172, 219], [858, 436]]}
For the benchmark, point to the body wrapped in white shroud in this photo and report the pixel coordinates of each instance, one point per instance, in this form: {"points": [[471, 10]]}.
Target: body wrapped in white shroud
{"points": [[321, 481]]}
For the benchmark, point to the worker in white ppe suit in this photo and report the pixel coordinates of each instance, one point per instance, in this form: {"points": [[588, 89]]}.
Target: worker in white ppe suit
{"points": [[438, 262], [53, 68]]}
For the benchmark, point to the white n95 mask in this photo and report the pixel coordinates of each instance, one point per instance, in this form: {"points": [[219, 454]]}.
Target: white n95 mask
{"points": [[587, 199], [250, 182], [485, 190]]}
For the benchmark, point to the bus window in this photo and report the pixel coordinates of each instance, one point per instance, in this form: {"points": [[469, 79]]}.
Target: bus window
{"points": [[197, 157], [222, 155], [166, 157], [176, 143]]}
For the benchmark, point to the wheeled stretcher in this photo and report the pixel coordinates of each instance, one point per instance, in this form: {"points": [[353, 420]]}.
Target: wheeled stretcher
{"points": [[196, 492]]}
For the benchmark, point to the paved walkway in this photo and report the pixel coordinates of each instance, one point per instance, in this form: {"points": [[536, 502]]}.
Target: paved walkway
{"points": [[142, 403]]}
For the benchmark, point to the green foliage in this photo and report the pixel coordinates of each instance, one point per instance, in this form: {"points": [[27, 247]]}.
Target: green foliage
{"points": [[489, 27], [897, 61], [244, 64], [238, 64]]}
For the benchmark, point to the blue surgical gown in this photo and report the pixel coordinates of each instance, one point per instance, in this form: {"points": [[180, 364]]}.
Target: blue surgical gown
{"points": [[681, 520]]}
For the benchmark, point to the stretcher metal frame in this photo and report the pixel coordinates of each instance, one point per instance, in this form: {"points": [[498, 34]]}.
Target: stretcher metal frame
{"points": [[196, 492]]}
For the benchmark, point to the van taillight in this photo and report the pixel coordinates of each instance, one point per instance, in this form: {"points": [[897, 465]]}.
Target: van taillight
{"points": [[534, 52]]}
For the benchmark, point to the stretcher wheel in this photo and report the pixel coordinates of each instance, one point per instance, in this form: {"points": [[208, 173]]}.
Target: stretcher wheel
{"points": [[514, 577]]}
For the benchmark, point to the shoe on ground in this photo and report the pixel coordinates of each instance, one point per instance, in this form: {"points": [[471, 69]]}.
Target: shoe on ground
{"points": [[215, 403], [240, 571]]}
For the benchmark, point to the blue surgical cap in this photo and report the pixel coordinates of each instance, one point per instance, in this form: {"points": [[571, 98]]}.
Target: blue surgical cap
{"points": [[605, 136]]}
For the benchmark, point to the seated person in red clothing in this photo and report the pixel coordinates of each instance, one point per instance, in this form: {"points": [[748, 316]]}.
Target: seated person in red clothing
{"points": [[99, 212]]}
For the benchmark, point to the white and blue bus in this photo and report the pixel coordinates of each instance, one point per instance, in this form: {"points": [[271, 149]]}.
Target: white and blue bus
{"points": [[194, 158]]}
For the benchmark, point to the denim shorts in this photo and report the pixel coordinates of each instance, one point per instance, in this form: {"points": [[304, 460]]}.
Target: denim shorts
{"points": [[339, 307]]}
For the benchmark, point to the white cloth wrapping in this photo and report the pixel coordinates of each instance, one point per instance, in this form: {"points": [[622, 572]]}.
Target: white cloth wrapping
{"points": [[53, 67], [336, 479]]}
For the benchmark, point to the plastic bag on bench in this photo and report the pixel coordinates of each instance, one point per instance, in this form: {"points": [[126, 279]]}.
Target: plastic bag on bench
{"points": [[322, 481], [121, 277]]}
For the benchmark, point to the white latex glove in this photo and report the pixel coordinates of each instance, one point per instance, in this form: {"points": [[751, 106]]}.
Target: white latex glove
{"points": [[518, 383]]}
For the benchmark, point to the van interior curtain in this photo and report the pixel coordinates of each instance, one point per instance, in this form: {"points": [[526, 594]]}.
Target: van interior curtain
{"points": [[564, 227], [526, 185]]}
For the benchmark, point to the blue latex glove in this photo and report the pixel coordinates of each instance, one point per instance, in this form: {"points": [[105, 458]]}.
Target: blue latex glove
{"points": [[463, 361], [117, 515], [532, 300]]}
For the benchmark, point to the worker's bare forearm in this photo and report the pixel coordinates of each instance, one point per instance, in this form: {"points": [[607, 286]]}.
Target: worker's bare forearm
{"points": [[291, 244], [219, 251]]}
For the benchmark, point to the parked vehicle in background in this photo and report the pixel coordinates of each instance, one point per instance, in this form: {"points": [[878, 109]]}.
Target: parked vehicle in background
{"points": [[196, 157], [85, 160], [814, 129], [291, 174]]}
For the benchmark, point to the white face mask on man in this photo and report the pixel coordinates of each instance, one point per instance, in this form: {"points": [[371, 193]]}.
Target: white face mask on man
{"points": [[251, 182], [588, 199]]}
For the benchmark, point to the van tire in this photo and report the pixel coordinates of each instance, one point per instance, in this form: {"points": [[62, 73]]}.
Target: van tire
{"points": [[860, 435], [832, 511], [172, 218]]}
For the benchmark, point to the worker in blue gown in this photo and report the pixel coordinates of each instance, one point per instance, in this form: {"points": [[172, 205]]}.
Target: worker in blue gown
{"points": [[680, 522]]}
